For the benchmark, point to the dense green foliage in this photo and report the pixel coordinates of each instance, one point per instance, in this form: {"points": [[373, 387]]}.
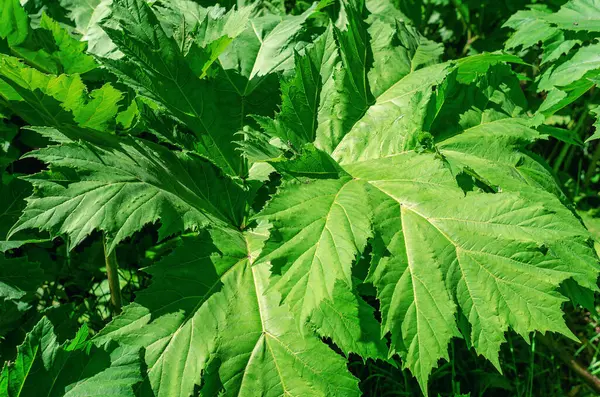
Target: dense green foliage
{"points": [[295, 194]]}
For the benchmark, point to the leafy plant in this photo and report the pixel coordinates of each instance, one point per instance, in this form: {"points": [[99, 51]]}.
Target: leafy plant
{"points": [[323, 187], [568, 46]]}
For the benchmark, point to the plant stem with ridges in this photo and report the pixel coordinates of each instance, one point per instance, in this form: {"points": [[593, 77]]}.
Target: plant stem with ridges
{"points": [[112, 273]]}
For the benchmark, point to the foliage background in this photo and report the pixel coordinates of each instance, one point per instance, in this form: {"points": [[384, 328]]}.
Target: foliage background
{"points": [[78, 292]]}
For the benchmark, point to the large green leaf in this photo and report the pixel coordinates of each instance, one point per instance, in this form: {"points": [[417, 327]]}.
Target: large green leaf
{"points": [[156, 68], [209, 305], [214, 109], [418, 205], [463, 218], [119, 185]]}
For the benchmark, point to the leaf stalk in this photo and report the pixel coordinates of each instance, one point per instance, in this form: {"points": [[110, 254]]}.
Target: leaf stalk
{"points": [[112, 273]]}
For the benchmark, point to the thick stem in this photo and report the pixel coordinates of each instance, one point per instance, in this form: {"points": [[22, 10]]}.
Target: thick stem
{"points": [[579, 370], [112, 272]]}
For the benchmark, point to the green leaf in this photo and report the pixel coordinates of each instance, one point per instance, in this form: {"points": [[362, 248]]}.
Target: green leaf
{"points": [[354, 50], [59, 101], [345, 94], [530, 28], [398, 51], [348, 320], [402, 89], [557, 99], [339, 107], [563, 135], [319, 228], [265, 47], [470, 68], [75, 368], [71, 53], [19, 281], [296, 123], [180, 19], [214, 305], [100, 111], [596, 134], [151, 54], [479, 126], [261, 351], [311, 162], [13, 192], [584, 60], [87, 16], [465, 221], [577, 15], [119, 185], [327, 186], [170, 318], [14, 24], [48, 46], [213, 109], [517, 217], [395, 121]]}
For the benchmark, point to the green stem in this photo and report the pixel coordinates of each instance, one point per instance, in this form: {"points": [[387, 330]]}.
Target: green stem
{"points": [[531, 367], [455, 384], [561, 157], [112, 272]]}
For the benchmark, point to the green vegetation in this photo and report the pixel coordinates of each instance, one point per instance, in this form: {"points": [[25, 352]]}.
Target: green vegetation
{"points": [[340, 198]]}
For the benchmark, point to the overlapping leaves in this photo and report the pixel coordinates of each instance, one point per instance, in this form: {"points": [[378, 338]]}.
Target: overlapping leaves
{"points": [[569, 42], [386, 155], [75, 368]]}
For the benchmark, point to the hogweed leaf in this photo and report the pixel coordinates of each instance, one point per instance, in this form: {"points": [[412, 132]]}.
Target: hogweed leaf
{"points": [[223, 320], [319, 229], [75, 368], [119, 185]]}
